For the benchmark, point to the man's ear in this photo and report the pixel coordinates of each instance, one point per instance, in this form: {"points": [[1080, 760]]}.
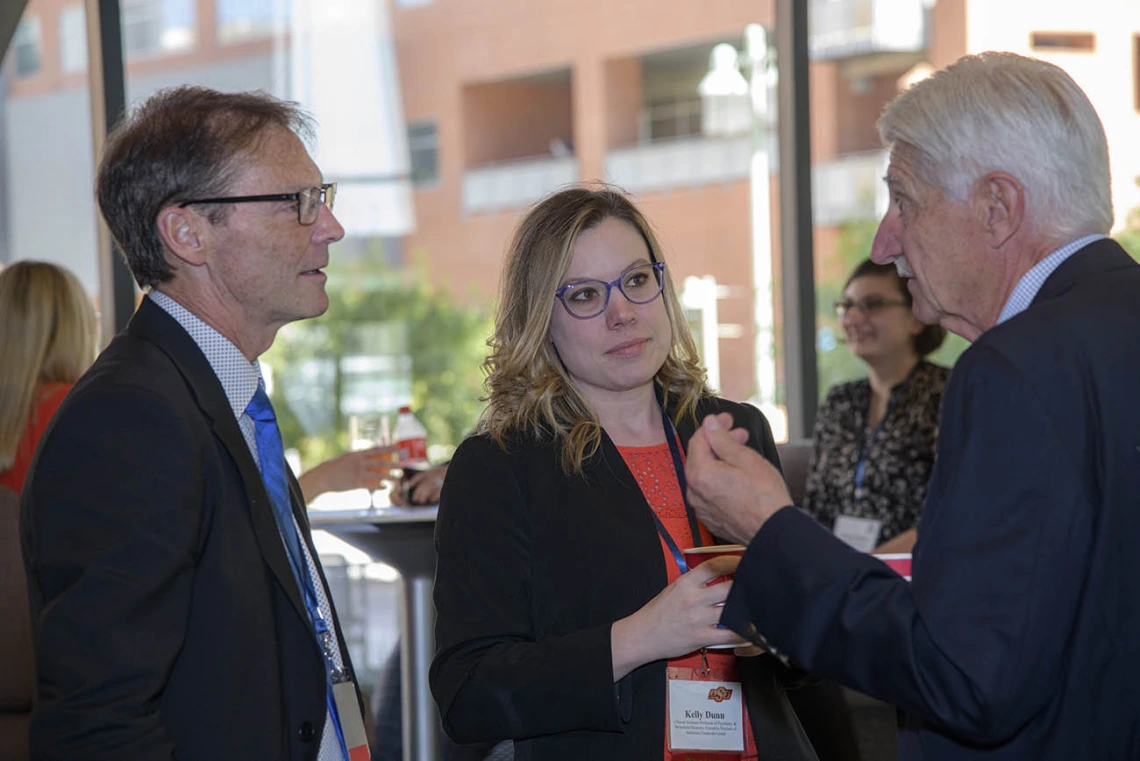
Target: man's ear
{"points": [[999, 199], [183, 232]]}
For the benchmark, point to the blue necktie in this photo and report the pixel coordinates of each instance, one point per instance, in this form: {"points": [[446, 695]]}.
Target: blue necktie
{"points": [[272, 455]]}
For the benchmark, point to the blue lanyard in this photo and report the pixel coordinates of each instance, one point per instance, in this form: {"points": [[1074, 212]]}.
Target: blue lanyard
{"points": [[289, 533], [865, 443], [288, 529], [679, 468]]}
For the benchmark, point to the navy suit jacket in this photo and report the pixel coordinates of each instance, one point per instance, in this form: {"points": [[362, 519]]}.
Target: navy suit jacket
{"points": [[1018, 637], [166, 619]]}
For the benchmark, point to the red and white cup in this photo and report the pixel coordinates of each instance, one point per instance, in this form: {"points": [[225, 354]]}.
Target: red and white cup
{"points": [[694, 556], [899, 563]]}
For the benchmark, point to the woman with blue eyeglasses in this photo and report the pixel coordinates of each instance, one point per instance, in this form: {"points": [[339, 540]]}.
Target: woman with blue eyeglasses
{"points": [[567, 617], [874, 438]]}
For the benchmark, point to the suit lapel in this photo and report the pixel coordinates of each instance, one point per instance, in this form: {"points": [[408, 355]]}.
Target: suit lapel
{"points": [[1099, 256], [153, 324]]}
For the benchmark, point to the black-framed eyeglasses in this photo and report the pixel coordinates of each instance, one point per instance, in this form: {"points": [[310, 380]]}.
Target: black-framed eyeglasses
{"points": [[308, 200], [589, 298], [868, 306]]}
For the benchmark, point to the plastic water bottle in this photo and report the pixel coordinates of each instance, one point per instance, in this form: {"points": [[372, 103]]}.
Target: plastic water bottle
{"points": [[411, 437]]}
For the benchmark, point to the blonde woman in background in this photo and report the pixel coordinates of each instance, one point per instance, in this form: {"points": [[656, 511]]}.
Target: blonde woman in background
{"points": [[47, 340]]}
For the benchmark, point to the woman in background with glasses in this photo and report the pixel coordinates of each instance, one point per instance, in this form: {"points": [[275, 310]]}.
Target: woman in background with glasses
{"points": [[47, 340], [560, 601], [874, 438]]}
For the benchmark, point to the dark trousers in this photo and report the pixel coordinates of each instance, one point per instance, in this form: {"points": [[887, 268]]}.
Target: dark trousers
{"points": [[822, 709]]}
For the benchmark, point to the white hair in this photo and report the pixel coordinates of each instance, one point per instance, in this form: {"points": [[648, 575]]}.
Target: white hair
{"points": [[1006, 112]]}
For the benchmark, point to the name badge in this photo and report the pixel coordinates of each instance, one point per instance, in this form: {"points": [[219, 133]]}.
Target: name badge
{"points": [[351, 722], [706, 716], [860, 533]]}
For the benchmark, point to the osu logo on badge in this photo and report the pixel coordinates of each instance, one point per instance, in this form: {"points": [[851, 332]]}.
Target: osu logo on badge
{"points": [[720, 693]]}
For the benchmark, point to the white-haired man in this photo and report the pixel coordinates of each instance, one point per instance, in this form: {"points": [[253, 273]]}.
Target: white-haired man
{"points": [[1016, 638]]}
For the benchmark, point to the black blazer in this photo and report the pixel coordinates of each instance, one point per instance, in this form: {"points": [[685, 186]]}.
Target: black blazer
{"points": [[534, 567], [1017, 639], [166, 619]]}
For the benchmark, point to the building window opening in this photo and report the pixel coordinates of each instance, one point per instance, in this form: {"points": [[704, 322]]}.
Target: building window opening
{"points": [[72, 39], [246, 19], [423, 147], [1063, 42], [27, 46], [155, 27]]}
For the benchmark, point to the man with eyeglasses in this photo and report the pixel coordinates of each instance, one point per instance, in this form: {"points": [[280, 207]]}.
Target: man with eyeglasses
{"points": [[179, 608], [1016, 637]]}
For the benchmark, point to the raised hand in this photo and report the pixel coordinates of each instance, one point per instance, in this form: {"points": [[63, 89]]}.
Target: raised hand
{"points": [[732, 487], [363, 469]]}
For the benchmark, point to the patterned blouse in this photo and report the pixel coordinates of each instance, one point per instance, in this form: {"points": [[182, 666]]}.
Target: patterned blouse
{"points": [[899, 453]]}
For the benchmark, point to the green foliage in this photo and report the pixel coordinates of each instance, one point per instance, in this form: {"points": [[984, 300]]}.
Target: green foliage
{"points": [[950, 350], [835, 364], [414, 340], [1129, 237], [854, 244]]}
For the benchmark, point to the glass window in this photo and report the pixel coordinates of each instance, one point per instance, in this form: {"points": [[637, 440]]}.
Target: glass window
{"points": [[27, 46], [72, 39], [243, 19], [672, 116], [693, 90], [154, 27], [46, 173], [423, 145]]}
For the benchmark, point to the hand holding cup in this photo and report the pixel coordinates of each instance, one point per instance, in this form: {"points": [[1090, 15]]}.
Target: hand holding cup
{"points": [[694, 556], [681, 619]]}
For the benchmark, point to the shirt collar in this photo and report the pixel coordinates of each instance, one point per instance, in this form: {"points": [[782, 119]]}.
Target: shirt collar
{"points": [[1030, 283], [239, 377]]}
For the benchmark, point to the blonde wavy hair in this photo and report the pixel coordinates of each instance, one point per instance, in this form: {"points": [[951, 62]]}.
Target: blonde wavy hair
{"points": [[530, 394], [47, 335]]}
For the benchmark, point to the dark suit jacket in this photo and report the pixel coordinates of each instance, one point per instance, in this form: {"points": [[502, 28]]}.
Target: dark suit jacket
{"points": [[167, 622], [1017, 639], [534, 567]]}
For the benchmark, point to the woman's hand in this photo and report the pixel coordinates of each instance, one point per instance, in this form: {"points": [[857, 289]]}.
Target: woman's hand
{"points": [[904, 542], [679, 620], [420, 488]]}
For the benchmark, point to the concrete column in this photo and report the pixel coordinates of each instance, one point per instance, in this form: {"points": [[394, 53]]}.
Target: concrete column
{"points": [[589, 101]]}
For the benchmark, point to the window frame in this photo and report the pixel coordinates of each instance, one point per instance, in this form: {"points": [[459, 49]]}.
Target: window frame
{"points": [[28, 36], [425, 144]]}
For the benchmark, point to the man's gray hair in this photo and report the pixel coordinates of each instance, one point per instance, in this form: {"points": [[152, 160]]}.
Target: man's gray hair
{"points": [[1006, 112]]}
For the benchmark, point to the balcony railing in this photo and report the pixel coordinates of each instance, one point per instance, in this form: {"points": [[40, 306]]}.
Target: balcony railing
{"points": [[847, 28], [851, 187], [684, 162], [515, 184]]}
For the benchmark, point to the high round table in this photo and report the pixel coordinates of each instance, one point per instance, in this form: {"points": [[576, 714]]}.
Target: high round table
{"points": [[402, 538]]}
